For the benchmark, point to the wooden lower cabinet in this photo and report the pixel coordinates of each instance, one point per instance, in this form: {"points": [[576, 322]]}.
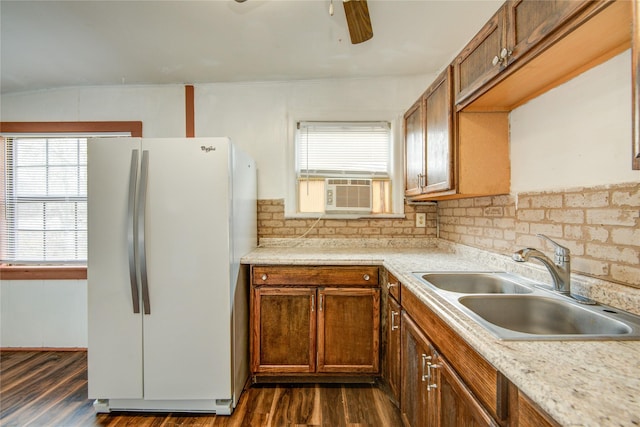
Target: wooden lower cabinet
{"points": [[432, 392], [525, 413], [314, 331], [284, 326], [392, 355], [457, 405], [415, 405], [348, 330]]}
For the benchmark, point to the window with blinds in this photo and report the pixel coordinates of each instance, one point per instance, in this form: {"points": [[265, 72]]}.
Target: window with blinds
{"points": [[45, 197], [356, 152]]}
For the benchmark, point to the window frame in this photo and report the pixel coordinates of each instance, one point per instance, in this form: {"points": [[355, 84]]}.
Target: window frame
{"points": [[395, 173], [56, 272]]}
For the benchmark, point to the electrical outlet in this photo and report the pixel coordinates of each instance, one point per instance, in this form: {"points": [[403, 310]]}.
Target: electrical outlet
{"points": [[421, 220]]}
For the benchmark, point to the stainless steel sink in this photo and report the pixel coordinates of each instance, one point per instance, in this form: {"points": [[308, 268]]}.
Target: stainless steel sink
{"points": [[547, 316], [515, 308], [476, 283]]}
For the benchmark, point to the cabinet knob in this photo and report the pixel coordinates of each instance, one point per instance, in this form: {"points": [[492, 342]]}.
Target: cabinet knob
{"points": [[504, 53], [391, 285], [264, 277], [495, 60], [366, 277]]}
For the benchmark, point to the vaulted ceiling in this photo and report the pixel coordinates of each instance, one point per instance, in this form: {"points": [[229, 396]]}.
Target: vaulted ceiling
{"points": [[51, 43]]}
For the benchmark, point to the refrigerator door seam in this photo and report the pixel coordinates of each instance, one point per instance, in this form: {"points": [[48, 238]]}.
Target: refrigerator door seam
{"points": [[142, 253]]}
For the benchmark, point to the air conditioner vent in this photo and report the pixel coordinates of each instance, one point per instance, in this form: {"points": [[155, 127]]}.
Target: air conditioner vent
{"points": [[348, 195]]}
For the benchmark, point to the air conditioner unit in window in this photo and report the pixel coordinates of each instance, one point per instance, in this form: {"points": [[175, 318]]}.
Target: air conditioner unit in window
{"points": [[348, 195]]}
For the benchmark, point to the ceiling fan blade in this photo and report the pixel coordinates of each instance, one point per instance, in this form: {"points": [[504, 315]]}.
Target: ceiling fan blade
{"points": [[358, 20]]}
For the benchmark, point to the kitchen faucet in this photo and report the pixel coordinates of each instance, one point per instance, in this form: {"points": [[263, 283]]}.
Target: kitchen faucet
{"points": [[560, 267]]}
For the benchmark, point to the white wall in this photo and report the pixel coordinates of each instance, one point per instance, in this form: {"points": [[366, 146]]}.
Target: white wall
{"points": [[256, 116], [576, 135], [39, 313]]}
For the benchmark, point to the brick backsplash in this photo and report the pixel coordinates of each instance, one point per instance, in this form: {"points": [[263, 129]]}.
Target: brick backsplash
{"points": [[600, 225], [273, 224]]}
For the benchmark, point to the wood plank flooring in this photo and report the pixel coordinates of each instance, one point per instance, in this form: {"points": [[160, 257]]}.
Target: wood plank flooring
{"points": [[50, 389]]}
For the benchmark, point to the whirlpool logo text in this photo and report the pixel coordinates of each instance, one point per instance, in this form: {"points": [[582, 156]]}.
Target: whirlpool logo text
{"points": [[208, 149]]}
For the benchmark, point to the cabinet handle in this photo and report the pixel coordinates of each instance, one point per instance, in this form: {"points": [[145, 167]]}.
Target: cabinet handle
{"points": [[433, 385], [264, 277], [313, 303], [502, 58], [391, 285], [421, 180], [321, 302], [394, 315], [366, 277], [426, 377]]}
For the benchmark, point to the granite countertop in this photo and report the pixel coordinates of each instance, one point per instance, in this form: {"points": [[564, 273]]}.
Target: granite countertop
{"points": [[578, 383]]}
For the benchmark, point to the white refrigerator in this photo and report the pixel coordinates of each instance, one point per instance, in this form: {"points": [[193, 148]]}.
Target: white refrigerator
{"points": [[169, 220]]}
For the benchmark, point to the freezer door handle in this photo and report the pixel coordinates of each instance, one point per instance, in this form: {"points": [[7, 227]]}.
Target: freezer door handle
{"points": [[133, 179], [142, 253]]}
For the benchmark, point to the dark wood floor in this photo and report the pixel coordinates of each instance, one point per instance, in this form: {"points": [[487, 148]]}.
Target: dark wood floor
{"points": [[50, 389]]}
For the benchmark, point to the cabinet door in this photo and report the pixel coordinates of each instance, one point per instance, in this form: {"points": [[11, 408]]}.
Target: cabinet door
{"points": [[528, 414], [456, 404], [394, 342], [348, 330], [414, 149], [283, 330], [416, 354], [530, 21], [474, 66], [439, 135]]}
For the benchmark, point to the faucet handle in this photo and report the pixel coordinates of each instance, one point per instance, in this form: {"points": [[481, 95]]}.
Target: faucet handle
{"points": [[562, 253]]}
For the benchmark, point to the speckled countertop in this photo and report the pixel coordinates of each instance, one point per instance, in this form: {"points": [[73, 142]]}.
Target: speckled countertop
{"points": [[578, 383]]}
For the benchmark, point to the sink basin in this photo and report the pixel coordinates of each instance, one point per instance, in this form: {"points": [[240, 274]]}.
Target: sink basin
{"points": [[475, 283], [514, 308], [541, 315]]}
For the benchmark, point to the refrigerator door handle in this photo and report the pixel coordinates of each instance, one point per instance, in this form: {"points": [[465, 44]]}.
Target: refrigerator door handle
{"points": [[133, 179], [142, 253]]}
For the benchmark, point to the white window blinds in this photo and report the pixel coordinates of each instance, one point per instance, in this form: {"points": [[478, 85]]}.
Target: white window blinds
{"points": [[335, 148], [45, 194]]}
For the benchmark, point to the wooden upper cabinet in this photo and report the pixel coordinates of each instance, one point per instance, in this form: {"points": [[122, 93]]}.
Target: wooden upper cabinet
{"points": [[439, 134], [530, 21], [429, 149], [480, 60], [414, 148], [544, 44]]}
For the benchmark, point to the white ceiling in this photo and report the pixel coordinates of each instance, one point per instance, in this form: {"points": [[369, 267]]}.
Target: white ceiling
{"points": [[51, 43]]}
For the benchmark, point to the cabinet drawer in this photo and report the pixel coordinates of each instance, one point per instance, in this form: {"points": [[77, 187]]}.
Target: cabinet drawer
{"points": [[365, 276]]}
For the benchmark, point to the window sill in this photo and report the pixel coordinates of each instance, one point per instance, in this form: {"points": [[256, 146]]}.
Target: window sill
{"points": [[42, 272], [343, 216]]}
